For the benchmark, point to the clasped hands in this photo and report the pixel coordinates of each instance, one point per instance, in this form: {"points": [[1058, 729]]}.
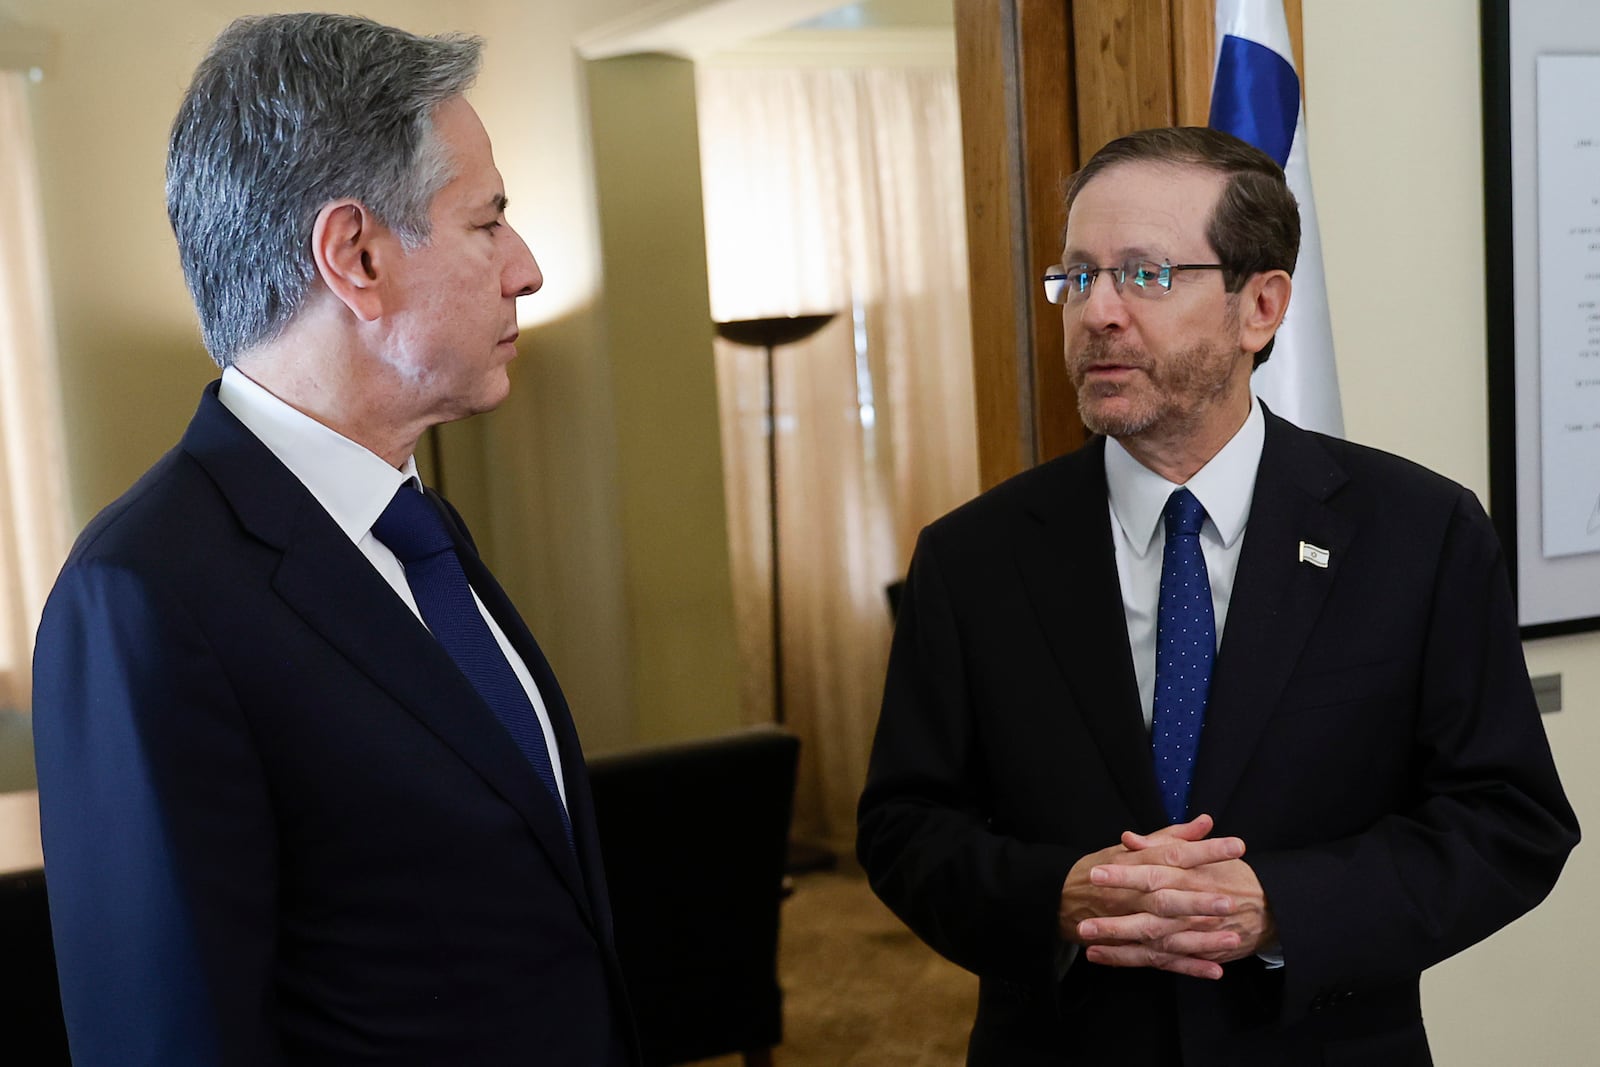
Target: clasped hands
{"points": [[1177, 900]]}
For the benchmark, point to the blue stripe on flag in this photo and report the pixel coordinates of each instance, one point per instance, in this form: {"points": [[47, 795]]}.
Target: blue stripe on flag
{"points": [[1256, 96]]}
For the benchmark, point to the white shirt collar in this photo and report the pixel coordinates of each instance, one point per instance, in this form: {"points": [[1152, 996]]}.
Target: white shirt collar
{"points": [[1224, 486], [351, 483]]}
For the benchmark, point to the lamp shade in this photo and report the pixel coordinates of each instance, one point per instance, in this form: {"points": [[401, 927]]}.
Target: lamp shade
{"points": [[775, 331]]}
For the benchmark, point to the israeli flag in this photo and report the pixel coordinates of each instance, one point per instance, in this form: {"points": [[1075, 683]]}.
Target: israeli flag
{"points": [[1256, 97]]}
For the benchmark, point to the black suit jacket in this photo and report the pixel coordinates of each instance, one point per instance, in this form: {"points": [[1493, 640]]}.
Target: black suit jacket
{"points": [[279, 824], [1371, 735]]}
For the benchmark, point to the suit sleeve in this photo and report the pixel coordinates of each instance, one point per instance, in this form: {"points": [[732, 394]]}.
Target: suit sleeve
{"points": [[985, 901], [160, 851], [1488, 828]]}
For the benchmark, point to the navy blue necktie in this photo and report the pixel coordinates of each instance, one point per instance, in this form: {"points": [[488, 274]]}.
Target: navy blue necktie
{"points": [[1186, 645], [412, 528]]}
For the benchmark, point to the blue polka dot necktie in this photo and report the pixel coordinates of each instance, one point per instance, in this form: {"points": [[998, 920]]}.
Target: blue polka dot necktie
{"points": [[412, 528], [1186, 645]]}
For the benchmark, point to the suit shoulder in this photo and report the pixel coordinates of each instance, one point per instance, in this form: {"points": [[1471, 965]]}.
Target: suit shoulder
{"points": [[162, 516], [1397, 478], [1394, 501]]}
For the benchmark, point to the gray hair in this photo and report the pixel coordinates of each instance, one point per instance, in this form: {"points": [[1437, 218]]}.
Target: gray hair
{"points": [[286, 114]]}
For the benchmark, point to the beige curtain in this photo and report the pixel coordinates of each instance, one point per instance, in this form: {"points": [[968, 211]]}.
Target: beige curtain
{"points": [[33, 509], [832, 189]]}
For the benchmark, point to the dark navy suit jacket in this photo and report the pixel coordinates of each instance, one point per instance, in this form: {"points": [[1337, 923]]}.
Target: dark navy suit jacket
{"points": [[1371, 734], [280, 826]]}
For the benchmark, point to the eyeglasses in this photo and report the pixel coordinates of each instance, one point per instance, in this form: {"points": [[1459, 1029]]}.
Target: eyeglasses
{"points": [[1069, 285]]}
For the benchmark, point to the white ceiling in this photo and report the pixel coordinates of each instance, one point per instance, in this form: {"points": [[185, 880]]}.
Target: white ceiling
{"points": [[695, 29]]}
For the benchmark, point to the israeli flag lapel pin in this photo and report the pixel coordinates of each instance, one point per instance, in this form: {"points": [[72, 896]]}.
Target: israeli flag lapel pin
{"points": [[1310, 553]]}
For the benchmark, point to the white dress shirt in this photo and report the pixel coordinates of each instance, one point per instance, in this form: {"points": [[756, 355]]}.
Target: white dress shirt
{"points": [[1137, 495], [354, 485]]}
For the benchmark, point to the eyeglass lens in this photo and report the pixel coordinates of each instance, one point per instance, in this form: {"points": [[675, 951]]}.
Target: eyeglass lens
{"points": [[1064, 284]]}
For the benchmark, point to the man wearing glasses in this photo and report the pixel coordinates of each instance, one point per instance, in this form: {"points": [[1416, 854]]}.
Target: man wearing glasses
{"points": [[1199, 744]]}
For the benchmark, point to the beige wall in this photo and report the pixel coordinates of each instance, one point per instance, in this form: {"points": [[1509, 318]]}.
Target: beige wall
{"points": [[1397, 164], [658, 330], [539, 479]]}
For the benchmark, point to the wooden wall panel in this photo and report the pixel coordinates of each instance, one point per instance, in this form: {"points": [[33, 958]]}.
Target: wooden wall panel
{"points": [[1194, 45], [1013, 64], [1049, 146], [993, 159], [1123, 56]]}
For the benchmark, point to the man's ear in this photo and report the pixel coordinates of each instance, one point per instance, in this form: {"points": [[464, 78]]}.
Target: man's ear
{"points": [[353, 252], [1262, 302]]}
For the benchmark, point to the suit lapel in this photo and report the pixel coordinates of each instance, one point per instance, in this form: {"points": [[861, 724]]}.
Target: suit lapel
{"points": [[1276, 601], [1068, 567], [335, 590], [575, 779]]}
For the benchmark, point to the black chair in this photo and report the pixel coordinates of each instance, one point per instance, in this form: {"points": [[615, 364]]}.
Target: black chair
{"points": [[694, 837], [30, 999]]}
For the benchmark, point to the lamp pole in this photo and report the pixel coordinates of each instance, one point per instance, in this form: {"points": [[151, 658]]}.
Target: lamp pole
{"points": [[770, 334]]}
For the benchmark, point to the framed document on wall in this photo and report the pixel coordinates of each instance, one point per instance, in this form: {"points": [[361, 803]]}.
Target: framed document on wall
{"points": [[1541, 145]]}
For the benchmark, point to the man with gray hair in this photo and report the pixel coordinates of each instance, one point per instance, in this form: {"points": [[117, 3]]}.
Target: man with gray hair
{"points": [[310, 792]]}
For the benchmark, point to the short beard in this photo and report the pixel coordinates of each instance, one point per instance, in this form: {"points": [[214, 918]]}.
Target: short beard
{"points": [[1180, 387]]}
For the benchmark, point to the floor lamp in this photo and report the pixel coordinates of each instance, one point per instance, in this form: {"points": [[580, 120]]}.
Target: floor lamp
{"points": [[771, 334]]}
